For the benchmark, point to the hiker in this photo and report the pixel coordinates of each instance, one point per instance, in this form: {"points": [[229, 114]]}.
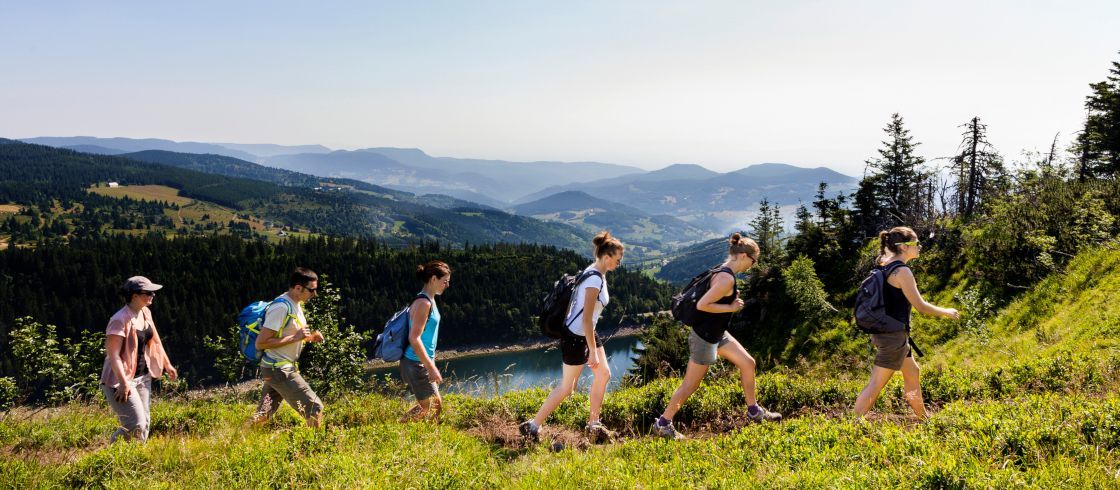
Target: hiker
{"points": [[133, 356], [418, 366], [281, 340], [708, 338], [893, 350], [580, 345]]}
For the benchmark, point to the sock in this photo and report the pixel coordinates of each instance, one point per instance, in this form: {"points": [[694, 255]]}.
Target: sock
{"points": [[754, 410], [662, 421]]}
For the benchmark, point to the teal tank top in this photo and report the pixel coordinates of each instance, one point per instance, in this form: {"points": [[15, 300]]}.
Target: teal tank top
{"points": [[428, 337]]}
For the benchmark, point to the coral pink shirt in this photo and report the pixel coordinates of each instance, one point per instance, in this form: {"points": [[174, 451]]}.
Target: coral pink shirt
{"points": [[123, 323]]}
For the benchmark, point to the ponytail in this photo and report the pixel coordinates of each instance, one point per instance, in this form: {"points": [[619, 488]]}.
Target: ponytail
{"points": [[739, 244], [605, 244], [889, 239], [436, 268]]}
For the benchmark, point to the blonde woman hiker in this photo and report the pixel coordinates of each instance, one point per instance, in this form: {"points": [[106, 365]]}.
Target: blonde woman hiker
{"points": [[133, 356], [283, 333], [580, 345], [418, 366], [709, 340], [897, 247]]}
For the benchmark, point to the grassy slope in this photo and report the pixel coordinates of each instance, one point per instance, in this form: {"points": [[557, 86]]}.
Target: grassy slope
{"points": [[1042, 409]]}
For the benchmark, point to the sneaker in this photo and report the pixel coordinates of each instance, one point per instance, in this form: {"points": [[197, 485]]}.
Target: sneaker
{"points": [[528, 431], [599, 433], [764, 415], [667, 431]]}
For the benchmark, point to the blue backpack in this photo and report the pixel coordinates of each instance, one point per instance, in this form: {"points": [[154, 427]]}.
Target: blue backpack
{"points": [[249, 323], [871, 310], [393, 340]]}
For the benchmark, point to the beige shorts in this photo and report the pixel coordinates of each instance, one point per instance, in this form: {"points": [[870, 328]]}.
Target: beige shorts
{"points": [[285, 383]]}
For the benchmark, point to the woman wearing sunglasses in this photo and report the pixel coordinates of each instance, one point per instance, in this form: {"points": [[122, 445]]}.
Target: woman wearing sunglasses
{"points": [[893, 350], [133, 356]]}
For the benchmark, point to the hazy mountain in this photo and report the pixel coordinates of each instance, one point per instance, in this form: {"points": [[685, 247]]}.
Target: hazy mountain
{"points": [[269, 150], [30, 173], [631, 225], [233, 167], [501, 180], [708, 199], [100, 150], [130, 145]]}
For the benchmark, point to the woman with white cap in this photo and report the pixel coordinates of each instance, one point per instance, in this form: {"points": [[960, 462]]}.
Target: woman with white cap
{"points": [[133, 356]]}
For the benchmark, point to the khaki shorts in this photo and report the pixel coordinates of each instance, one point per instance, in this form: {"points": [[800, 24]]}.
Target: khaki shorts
{"points": [[701, 351], [285, 383], [891, 349]]}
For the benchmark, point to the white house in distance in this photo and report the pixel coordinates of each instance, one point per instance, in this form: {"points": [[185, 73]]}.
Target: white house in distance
{"points": [[114, 184]]}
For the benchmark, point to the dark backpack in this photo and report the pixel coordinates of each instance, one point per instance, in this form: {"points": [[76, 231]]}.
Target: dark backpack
{"points": [[554, 307], [871, 311], [683, 305]]}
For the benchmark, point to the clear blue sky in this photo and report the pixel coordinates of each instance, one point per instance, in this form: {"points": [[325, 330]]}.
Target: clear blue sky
{"points": [[722, 84]]}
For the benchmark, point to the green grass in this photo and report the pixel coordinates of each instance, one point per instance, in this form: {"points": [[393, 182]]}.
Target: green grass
{"points": [[1076, 310], [1028, 400]]}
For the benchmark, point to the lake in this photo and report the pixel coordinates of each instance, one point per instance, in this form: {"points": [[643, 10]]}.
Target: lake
{"points": [[499, 372]]}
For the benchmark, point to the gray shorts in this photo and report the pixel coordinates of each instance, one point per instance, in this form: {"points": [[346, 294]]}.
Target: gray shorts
{"points": [[135, 414], [415, 374], [287, 384], [701, 351], [891, 349]]}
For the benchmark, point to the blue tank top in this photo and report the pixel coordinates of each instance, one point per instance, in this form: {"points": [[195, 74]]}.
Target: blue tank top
{"points": [[428, 337]]}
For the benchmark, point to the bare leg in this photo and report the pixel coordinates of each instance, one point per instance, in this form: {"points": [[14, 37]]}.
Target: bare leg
{"points": [[418, 411], [880, 376], [559, 393], [912, 387], [733, 351], [693, 374], [602, 375]]}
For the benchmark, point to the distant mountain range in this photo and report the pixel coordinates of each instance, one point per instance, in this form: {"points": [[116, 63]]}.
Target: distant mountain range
{"points": [[633, 226], [329, 206], [706, 200]]}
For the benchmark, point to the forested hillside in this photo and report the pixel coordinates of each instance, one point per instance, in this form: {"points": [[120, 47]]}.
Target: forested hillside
{"points": [[496, 291], [51, 181]]}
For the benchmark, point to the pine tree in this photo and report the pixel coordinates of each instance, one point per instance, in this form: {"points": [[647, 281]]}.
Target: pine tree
{"points": [[1098, 145], [898, 189], [766, 229], [979, 169]]}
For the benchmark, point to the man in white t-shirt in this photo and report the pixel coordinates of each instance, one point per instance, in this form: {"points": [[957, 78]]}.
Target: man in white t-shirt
{"points": [[283, 333]]}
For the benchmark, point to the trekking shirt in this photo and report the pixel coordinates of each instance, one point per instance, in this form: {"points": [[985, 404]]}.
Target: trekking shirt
{"points": [[276, 319], [125, 323], [894, 300], [574, 320], [712, 326], [428, 337]]}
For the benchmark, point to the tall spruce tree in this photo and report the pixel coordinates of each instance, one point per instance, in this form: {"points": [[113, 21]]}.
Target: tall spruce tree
{"points": [[766, 229], [1098, 146], [897, 188]]}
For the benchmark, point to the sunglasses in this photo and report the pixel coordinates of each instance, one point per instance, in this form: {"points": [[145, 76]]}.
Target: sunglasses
{"points": [[147, 293]]}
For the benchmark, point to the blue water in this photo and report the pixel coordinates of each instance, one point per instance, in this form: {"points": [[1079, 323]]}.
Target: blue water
{"points": [[497, 373]]}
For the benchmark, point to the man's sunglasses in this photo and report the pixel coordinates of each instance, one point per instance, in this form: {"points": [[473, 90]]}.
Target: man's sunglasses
{"points": [[147, 293]]}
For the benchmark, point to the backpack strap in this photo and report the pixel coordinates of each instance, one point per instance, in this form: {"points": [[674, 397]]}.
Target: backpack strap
{"points": [[425, 296], [890, 268], [583, 276]]}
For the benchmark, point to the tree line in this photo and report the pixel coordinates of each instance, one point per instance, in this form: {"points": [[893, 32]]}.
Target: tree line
{"points": [[496, 288]]}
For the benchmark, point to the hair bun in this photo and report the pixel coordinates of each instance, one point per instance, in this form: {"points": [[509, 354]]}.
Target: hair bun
{"points": [[601, 238], [735, 238]]}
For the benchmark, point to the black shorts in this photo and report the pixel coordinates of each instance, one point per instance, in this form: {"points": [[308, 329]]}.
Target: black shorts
{"points": [[573, 348]]}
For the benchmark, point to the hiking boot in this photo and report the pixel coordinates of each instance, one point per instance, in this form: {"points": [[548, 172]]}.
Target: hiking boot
{"points": [[763, 415], [529, 432], [667, 432], [599, 433]]}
